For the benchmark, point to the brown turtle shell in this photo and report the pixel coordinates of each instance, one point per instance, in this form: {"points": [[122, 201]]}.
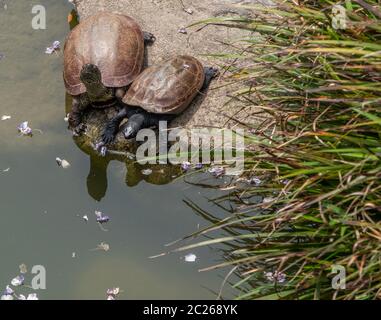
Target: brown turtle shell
{"points": [[112, 42], [167, 88]]}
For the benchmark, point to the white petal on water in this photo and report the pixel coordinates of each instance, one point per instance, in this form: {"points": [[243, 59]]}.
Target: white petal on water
{"points": [[217, 171], [56, 45], [6, 170], [24, 128], [104, 247], [66, 119], [18, 281], [255, 181], [49, 50], [63, 163], [85, 217], [73, 255], [116, 291], [32, 296], [191, 257], [113, 291], [9, 290], [5, 117]]}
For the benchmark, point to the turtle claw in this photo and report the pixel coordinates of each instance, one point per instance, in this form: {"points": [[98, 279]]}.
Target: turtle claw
{"points": [[108, 135], [212, 72], [149, 38]]}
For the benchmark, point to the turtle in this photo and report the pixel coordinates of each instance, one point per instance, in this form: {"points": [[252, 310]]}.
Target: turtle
{"points": [[159, 93], [103, 54]]}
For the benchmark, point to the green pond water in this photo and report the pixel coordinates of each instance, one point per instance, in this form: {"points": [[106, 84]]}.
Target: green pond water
{"points": [[41, 204]]}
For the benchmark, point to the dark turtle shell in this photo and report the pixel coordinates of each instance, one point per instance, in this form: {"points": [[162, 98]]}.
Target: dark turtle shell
{"points": [[112, 42], [167, 88]]}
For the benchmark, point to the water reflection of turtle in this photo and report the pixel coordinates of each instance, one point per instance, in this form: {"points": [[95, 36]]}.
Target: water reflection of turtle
{"points": [[135, 173], [102, 56]]}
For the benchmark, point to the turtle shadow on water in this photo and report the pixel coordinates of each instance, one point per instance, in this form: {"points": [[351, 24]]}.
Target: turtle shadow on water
{"points": [[121, 150]]}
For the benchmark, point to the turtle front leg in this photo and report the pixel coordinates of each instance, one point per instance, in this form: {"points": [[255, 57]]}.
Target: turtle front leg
{"points": [[75, 117], [210, 74], [112, 126], [149, 38]]}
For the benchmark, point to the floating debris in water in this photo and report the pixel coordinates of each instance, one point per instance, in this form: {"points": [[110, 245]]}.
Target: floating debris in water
{"points": [[101, 218], [198, 166], [217, 171], [24, 129], [147, 172], [186, 165], [5, 117], [32, 296], [6, 297], [9, 291], [6, 170], [54, 48], [255, 181], [275, 276], [182, 30], [63, 163], [112, 293], [66, 119], [102, 246], [191, 257], [18, 281], [73, 255], [188, 10], [86, 218], [23, 268]]}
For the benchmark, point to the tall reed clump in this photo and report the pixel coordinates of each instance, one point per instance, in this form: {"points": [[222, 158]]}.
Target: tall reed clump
{"points": [[317, 153]]}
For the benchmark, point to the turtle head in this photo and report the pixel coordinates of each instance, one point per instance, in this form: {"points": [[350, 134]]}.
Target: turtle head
{"points": [[90, 75]]}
